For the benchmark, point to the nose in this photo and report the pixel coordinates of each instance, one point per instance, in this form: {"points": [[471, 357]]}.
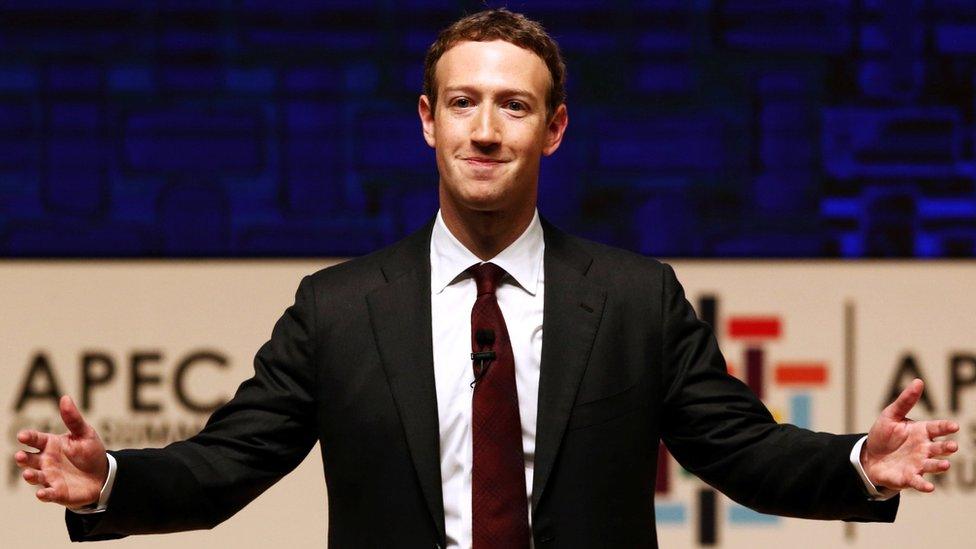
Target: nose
{"points": [[485, 131]]}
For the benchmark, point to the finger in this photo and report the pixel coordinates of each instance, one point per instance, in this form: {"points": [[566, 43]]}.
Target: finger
{"points": [[26, 459], [32, 438], [902, 405], [943, 448], [921, 484], [72, 417], [935, 466], [46, 494], [940, 427], [35, 477]]}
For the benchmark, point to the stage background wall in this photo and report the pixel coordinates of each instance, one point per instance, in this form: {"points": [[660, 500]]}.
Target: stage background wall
{"points": [[705, 128], [823, 341]]}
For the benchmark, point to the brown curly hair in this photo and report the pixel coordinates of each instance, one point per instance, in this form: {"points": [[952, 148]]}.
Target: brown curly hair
{"points": [[500, 24]]}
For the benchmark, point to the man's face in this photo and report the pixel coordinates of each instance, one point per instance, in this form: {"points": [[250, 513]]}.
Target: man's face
{"points": [[490, 127]]}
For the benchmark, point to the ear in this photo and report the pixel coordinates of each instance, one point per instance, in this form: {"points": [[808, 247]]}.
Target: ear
{"points": [[426, 111], [556, 129]]}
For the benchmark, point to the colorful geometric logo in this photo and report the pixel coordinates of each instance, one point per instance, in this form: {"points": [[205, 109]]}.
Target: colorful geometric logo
{"points": [[760, 372]]}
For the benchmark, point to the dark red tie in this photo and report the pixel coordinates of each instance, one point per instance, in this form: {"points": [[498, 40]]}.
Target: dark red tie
{"points": [[498, 501]]}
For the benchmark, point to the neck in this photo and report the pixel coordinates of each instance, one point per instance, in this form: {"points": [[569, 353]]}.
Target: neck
{"points": [[486, 234]]}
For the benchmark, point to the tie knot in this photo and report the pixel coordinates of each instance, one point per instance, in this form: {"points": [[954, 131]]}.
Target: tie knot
{"points": [[486, 276]]}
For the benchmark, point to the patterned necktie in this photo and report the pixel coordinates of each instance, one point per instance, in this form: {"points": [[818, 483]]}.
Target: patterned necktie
{"points": [[498, 501]]}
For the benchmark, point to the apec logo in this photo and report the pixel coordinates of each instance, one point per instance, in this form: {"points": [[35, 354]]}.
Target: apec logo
{"points": [[794, 383], [799, 378], [139, 379]]}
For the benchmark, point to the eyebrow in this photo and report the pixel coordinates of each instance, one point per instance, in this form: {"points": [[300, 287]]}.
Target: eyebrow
{"points": [[504, 91]]}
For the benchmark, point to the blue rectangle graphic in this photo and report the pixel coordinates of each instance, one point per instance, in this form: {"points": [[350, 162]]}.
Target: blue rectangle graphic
{"points": [[670, 513], [800, 410]]}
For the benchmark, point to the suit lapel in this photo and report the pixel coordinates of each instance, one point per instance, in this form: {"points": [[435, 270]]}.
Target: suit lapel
{"points": [[400, 314], [573, 309]]}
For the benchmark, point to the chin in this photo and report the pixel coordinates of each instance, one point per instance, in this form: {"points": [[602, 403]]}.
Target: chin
{"points": [[484, 206], [480, 196], [481, 199]]}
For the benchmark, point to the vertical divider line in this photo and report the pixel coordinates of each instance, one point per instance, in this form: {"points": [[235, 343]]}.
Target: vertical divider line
{"points": [[850, 530]]}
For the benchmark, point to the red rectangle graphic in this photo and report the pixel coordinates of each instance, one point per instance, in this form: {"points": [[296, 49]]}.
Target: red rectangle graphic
{"points": [[753, 327], [801, 373]]}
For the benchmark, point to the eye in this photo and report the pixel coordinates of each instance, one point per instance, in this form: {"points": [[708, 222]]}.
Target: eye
{"points": [[461, 102], [515, 106]]}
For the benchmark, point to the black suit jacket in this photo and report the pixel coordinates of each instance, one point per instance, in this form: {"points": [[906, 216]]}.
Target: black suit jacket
{"points": [[625, 363]]}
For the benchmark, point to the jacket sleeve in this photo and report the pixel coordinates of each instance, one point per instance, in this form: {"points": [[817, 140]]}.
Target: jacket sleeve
{"points": [[246, 446], [719, 430]]}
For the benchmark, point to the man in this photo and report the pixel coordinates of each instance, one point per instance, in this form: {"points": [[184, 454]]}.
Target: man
{"points": [[445, 418]]}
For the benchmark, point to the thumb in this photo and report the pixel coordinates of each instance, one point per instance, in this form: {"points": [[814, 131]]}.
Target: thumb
{"points": [[72, 417]]}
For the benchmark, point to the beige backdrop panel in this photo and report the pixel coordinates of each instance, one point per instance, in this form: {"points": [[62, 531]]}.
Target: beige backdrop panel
{"points": [[61, 311]]}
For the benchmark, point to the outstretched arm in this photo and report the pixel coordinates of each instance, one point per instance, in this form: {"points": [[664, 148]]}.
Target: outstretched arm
{"points": [[247, 445], [70, 468], [717, 429], [899, 451]]}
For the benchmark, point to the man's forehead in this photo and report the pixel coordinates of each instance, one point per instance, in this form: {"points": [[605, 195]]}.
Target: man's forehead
{"points": [[471, 60]]}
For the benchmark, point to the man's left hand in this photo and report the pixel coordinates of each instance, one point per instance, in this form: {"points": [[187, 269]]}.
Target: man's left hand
{"points": [[899, 451]]}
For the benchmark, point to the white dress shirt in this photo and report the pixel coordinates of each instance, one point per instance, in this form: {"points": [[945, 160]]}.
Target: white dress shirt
{"points": [[453, 292]]}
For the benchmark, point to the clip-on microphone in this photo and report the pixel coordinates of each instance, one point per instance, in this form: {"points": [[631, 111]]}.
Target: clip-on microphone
{"points": [[484, 337]]}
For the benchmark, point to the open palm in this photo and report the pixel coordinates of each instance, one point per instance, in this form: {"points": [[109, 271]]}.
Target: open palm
{"points": [[70, 468], [899, 451]]}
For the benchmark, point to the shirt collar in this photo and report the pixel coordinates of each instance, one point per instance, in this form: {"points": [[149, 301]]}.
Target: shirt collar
{"points": [[522, 259]]}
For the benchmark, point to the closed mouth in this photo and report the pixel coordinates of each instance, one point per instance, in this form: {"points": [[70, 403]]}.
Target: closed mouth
{"points": [[482, 161]]}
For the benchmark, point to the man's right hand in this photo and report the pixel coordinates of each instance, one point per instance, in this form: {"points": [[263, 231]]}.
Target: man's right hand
{"points": [[70, 469]]}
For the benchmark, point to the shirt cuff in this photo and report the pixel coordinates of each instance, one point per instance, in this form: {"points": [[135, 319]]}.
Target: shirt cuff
{"points": [[876, 493], [102, 503]]}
